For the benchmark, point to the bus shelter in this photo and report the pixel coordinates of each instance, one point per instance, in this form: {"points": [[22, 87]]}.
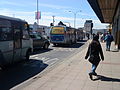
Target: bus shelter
{"points": [[108, 11]]}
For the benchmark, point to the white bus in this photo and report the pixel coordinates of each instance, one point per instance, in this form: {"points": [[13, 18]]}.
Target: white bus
{"points": [[15, 43]]}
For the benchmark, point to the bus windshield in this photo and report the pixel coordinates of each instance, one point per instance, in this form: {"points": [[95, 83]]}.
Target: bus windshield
{"points": [[57, 30]]}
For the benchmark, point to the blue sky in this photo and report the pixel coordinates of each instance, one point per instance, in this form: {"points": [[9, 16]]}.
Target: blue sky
{"points": [[25, 9]]}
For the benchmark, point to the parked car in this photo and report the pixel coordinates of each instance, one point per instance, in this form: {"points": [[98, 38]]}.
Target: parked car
{"points": [[39, 41]]}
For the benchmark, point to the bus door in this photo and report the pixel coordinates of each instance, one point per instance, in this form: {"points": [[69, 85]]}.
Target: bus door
{"points": [[17, 42]]}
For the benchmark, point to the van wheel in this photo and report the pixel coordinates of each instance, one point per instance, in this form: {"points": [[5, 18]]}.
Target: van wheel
{"points": [[46, 46], [28, 55]]}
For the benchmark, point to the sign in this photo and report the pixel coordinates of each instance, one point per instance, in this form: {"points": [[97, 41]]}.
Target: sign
{"points": [[38, 15]]}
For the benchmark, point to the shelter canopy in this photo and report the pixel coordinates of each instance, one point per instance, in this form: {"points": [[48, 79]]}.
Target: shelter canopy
{"points": [[104, 9]]}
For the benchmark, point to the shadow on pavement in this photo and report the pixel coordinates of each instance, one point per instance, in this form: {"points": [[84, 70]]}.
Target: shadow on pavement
{"points": [[114, 50], [104, 78], [82, 40], [40, 50], [76, 45], [19, 73]]}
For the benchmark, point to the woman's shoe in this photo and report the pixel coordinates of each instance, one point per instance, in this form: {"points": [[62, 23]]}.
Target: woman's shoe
{"points": [[94, 73], [90, 75]]}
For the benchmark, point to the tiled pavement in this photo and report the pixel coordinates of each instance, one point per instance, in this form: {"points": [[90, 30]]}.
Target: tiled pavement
{"points": [[73, 74]]}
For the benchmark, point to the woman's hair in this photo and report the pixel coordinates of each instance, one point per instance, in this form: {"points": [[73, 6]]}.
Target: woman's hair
{"points": [[96, 37]]}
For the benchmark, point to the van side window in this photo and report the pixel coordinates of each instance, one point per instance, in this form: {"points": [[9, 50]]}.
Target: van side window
{"points": [[6, 33], [25, 31], [17, 37]]}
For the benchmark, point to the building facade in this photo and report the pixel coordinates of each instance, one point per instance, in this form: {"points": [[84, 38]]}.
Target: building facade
{"points": [[88, 26], [43, 30]]}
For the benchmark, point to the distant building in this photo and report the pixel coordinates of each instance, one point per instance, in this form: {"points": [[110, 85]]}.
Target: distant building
{"points": [[102, 31], [80, 33], [88, 26], [43, 30]]}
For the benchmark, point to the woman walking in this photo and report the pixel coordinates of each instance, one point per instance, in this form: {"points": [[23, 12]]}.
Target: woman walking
{"points": [[94, 52]]}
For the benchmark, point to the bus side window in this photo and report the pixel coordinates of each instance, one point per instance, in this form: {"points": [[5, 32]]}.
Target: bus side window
{"points": [[25, 31]]}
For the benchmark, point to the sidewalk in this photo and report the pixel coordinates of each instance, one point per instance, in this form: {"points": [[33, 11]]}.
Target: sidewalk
{"points": [[73, 74]]}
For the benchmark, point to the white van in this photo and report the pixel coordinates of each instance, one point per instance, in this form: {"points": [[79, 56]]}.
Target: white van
{"points": [[15, 42]]}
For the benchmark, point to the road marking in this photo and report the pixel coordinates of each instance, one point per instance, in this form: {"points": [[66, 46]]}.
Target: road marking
{"points": [[33, 56], [64, 49], [51, 61], [46, 59]]}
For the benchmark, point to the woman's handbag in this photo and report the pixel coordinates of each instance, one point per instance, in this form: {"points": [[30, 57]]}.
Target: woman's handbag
{"points": [[91, 58]]}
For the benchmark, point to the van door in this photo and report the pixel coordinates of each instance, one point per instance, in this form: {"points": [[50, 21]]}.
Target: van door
{"points": [[6, 42], [17, 42]]}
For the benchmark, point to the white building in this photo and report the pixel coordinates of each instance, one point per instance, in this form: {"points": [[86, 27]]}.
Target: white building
{"points": [[43, 30], [88, 26]]}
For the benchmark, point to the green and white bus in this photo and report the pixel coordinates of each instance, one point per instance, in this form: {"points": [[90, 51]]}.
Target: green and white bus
{"points": [[15, 43]]}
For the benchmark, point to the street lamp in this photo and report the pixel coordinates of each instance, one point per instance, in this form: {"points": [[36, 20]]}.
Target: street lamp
{"points": [[75, 13]]}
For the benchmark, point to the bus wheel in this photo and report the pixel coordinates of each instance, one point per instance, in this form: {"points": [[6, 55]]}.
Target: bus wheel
{"points": [[28, 55], [55, 44]]}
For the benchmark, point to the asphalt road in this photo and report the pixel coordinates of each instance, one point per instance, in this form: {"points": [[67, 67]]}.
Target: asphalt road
{"points": [[41, 60]]}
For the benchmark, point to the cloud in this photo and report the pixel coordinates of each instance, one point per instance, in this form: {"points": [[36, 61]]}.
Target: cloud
{"points": [[11, 3], [86, 14], [9, 12], [54, 6], [47, 18], [20, 3]]}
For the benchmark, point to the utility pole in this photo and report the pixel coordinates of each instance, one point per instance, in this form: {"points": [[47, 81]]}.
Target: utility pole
{"points": [[53, 19], [75, 13], [37, 12]]}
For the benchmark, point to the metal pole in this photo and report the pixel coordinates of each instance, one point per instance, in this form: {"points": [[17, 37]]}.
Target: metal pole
{"points": [[74, 20], [53, 20], [37, 12], [75, 13]]}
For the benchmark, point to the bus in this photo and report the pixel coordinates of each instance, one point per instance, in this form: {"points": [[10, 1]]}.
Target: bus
{"points": [[80, 34], [62, 35], [15, 42]]}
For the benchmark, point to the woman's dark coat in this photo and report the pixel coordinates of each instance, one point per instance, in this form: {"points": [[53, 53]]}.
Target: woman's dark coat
{"points": [[95, 50]]}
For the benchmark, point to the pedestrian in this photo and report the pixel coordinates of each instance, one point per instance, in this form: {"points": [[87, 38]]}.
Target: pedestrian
{"points": [[94, 51], [108, 39], [88, 36]]}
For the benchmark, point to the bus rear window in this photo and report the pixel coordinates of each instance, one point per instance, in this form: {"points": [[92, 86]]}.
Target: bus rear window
{"points": [[57, 30]]}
